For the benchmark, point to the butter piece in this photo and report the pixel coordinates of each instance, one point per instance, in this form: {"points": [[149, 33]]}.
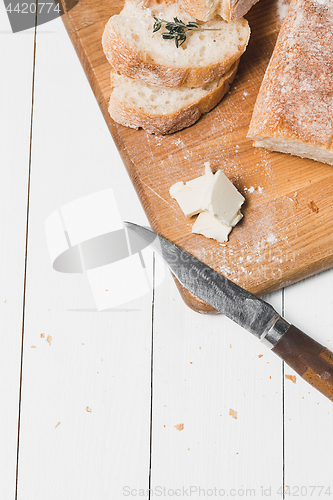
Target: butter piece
{"points": [[223, 200], [190, 196], [238, 217], [209, 226], [215, 199]]}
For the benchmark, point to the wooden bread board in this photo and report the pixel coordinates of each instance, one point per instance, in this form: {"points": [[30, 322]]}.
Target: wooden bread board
{"points": [[287, 230]]}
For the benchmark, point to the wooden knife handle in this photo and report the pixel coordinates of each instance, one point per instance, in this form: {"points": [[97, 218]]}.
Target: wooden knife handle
{"points": [[308, 358]]}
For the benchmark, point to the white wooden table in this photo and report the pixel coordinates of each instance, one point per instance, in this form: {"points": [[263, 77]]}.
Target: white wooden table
{"points": [[89, 400]]}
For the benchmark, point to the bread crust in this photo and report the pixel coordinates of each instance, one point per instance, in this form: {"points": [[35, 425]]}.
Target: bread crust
{"points": [[294, 105], [173, 122], [231, 10], [129, 63], [199, 9], [228, 9]]}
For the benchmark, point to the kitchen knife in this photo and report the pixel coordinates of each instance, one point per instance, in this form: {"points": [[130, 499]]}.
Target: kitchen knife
{"points": [[312, 361]]}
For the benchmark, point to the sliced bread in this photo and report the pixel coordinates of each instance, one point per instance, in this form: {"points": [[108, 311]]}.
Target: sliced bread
{"points": [[293, 112], [160, 110], [135, 51], [206, 9]]}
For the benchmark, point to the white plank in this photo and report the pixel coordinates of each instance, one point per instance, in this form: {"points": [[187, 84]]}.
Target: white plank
{"points": [[16, 59], [308, 414], [203, 367], [95, 360]]}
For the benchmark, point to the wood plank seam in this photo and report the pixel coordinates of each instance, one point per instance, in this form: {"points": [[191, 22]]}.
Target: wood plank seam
{"points": [[26, 254], [151, 378]]}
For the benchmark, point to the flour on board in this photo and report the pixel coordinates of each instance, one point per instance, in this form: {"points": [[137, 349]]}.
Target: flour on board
{"points": [[282, 9]]}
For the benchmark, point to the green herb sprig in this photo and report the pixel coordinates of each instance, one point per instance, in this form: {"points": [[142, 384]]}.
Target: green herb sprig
{"points": [[177, 30]]}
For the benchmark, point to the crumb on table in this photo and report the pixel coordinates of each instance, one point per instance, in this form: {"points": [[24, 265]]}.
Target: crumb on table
{"points": [[233, 413], [291, 377]]}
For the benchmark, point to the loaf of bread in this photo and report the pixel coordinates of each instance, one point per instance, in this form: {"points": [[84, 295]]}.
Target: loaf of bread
{"points": [[294, 109], [135, 51], [206, 9], [160, 110]]}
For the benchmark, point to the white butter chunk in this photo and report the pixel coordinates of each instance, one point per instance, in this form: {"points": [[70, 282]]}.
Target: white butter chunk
{"points": [[209, 226], [215, 199], [238, 217], [190, 195], [223, 200]]}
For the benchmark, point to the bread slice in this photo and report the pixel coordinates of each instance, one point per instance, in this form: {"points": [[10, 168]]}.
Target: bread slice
{"points": [[163, 111], [206, 9], [134, 50], [294, 109]]}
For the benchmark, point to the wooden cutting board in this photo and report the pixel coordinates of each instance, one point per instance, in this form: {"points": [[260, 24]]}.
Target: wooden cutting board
{"points": [[287, 230]]}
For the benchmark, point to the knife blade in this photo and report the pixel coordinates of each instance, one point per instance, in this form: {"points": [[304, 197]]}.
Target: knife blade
{"points": [[312, 361]]}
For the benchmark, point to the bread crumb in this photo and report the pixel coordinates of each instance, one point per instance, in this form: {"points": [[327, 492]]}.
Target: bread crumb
{"points": [[191, 362], [89, 410], [233, 413], [260, 355], [179, 427], [312, 206], [57, 425], [42, 335], [33, 347], [291, 377], [49, 340]]}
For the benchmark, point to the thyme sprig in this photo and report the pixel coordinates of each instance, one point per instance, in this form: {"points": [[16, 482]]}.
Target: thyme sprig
{"points": [[177, 30]]}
